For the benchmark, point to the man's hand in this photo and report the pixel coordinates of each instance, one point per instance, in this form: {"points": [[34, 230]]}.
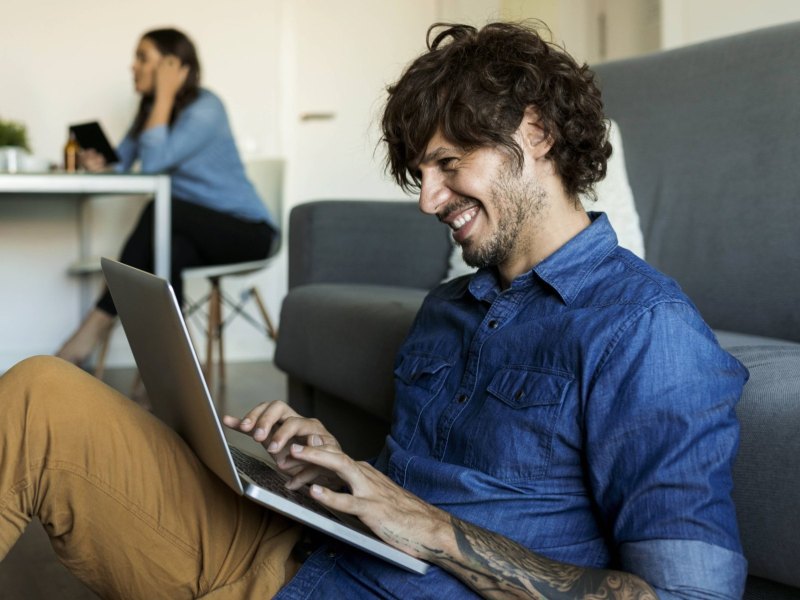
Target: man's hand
{"points": [[277, 426], [304, 449], [398, 517]]}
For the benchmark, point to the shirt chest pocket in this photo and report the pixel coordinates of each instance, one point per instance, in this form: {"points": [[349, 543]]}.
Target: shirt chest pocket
{"points": [[419, 378], [511, 437]]}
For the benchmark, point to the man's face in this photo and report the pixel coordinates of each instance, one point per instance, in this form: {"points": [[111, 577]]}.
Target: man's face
{"points": [[489, 204]]}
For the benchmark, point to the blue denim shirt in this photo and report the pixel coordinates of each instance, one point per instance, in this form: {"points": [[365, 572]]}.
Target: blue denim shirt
{"points": [[586, 412]]}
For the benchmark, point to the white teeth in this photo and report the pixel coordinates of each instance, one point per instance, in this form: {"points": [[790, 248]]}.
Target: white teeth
{"points": [[461, 221]]}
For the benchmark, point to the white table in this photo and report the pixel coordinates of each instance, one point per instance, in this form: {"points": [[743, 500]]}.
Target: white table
{"points": [[86, 184]]}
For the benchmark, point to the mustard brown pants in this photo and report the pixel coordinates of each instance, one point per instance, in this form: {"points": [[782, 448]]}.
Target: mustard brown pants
{"points": [[128, 507]]}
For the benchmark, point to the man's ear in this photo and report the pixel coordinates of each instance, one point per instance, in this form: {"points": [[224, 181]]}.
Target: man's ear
{"points": [[534, 140]]}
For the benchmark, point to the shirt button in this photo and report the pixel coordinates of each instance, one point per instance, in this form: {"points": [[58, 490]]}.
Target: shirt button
{"points": [[492, 324], [331, 554], [462, 398]]}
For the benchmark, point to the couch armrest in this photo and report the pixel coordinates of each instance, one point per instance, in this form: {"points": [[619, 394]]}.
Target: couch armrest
{"points": [[766, 487], [366, 241]]}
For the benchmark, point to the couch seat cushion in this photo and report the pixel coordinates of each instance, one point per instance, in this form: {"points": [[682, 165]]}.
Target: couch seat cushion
{"points": [[732, 339]]}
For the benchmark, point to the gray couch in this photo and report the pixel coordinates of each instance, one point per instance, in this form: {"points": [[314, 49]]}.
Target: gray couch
{"points": [[713, 157]]}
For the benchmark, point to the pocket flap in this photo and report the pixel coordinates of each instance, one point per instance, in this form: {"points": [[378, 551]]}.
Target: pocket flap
{"points": [[421, 370], [523, 387]]}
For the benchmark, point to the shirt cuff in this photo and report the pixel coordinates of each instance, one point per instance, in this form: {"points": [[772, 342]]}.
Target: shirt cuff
{"points": [[679, 569]]}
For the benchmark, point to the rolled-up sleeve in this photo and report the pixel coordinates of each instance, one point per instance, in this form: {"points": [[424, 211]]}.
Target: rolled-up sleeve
{"points": [[681, 569], [662, 436]]}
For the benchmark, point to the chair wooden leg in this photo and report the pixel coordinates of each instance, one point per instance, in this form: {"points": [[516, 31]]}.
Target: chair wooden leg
{"points": [[100, 365], [220, 346], [213, 330], [138, 392], [273, 333], [214, 337]]}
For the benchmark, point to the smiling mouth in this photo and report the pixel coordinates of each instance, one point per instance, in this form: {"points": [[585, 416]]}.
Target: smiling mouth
{"points": [[461, 220], [464, 215]]}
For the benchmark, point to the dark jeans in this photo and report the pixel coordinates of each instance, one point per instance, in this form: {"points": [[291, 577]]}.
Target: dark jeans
{"points": [[200, 237]]}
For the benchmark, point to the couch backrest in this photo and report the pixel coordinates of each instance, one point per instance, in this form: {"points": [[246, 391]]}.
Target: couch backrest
{"points": [[360, 241], [710, 133]]}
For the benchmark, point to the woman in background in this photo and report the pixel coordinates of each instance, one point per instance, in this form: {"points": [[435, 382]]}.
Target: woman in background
{"points": [[180, 129]]}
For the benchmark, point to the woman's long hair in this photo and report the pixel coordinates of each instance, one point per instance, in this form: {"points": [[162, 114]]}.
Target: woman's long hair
{"points": [[177, 43]]}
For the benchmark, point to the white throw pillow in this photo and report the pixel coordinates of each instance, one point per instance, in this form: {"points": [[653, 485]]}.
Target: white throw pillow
{"points": [[614, 197]]}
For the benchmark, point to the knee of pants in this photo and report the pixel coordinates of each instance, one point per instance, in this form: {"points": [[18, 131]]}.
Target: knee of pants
{"points": [[38, 368], [31, 369], [48, 379]]}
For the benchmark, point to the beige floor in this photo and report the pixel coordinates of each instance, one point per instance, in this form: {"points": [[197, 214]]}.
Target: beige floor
{"points": [[31, 571]]}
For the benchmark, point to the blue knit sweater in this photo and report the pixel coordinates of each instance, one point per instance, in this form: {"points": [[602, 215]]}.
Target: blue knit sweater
{"points": [[199, 154]]}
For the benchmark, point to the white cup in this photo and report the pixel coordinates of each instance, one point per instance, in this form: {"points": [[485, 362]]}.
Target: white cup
{"points": [[10, 158]]}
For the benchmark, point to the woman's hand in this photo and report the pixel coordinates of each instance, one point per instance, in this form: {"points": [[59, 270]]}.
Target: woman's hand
{"points": [[277, 427], [91, 160], [170, 76]]}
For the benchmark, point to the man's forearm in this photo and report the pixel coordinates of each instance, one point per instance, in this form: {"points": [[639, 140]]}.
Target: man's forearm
{"points": [[497, 567], [491, 564]]}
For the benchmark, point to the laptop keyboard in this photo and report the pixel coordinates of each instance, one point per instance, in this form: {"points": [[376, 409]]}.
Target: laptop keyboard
{"points": [[272, 481]]}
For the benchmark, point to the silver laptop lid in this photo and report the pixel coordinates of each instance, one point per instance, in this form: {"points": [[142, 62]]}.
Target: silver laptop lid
{"points": [[169, 367], [168, 364]]}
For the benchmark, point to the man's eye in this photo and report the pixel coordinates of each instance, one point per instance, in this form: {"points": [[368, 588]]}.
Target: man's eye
{"points": [[447, 164]]}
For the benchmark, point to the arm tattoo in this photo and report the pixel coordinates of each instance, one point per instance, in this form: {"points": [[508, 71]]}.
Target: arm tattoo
{"points": [[497, 567]]}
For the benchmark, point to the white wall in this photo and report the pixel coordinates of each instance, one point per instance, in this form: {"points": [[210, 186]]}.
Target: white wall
{"points": [[568, 20], [689, 21], [64, 62], [69, 61]]}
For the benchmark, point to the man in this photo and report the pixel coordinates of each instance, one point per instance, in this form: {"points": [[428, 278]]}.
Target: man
{"points": [[564, 421]]}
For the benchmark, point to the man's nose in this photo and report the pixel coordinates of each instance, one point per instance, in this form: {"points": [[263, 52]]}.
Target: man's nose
{"points": [[433, 193]]}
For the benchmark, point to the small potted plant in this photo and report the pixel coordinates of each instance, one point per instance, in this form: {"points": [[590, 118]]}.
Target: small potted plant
{"points": [[13, 145]]}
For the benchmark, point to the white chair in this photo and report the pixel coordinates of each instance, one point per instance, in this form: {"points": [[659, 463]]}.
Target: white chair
{"points": [[267, 177]]}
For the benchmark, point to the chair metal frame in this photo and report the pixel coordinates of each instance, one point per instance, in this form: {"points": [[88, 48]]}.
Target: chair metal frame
{"points": [[215, 299]]}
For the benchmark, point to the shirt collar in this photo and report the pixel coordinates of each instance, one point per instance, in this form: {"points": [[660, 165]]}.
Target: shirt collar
{"points": [[565, 271]]}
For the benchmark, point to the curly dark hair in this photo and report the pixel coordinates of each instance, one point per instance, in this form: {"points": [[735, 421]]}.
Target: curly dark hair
{"points": [[474, 85]]}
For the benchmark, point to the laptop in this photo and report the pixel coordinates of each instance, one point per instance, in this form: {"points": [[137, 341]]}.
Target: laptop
{"points": [[174, 380]]}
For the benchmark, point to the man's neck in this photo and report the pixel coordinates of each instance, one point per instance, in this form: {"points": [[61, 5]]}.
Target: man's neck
{"points": [[560, 221]]}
